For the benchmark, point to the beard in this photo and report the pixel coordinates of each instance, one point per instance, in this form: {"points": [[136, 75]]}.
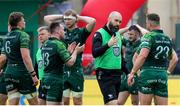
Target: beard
{"points": [[113, 28], [72, 25]]}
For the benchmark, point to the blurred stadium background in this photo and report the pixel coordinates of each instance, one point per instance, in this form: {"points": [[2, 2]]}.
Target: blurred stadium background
{"points": [[34, 10]]}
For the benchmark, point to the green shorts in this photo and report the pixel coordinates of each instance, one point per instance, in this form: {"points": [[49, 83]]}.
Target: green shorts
{"points": [[153, 82], [22, 82], [131, 89], [52, 87], [74, 81], [2, 85]]}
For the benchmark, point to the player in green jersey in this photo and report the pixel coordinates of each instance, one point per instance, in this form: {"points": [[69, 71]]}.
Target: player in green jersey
{"points": [[43, 34], [74, 78], [20, 77], [155, 57], [55, 55], [3, 93], [131, 44]]}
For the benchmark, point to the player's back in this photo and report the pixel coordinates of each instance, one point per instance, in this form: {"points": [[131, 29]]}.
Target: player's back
{"points": [[160, 51], [12, 45], [52, 61]]}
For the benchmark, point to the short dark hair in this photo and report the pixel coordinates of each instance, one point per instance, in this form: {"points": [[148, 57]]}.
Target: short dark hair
{"points": [[53, 26], [134, 27], [14, 18], [70, 12], [154, 17]]}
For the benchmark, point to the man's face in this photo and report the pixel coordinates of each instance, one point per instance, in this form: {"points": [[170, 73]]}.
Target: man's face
{"points": [[114, 23], [21, 24], [132, 35], [43, 35], [70, 21]]}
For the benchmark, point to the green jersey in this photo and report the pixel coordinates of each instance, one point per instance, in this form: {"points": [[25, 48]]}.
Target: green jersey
{"points": [[160, 47], [54, 54], [79, 35], [40, 64], [13, 41], [131, 48]]}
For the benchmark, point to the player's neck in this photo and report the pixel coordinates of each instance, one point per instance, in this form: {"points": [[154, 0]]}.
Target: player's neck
{"points": [[55, 36], [156, 28], [136, 40], [72, 28]]}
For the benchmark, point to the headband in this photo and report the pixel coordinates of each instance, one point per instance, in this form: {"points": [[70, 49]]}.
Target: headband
{"points": [[69, 17]]}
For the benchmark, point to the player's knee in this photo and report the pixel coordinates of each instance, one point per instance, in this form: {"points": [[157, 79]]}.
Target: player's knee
{"points": [[77, 97], [77, 101], [66, 100], [31, 95], [3, 99]]}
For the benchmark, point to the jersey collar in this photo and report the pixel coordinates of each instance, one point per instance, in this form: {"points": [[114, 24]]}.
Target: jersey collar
{"points": [[158, 30], [15, 29]]}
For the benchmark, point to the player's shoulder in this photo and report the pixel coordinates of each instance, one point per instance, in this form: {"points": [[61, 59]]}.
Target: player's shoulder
{"points": [[147, 37], [59, 43], [23, 33]]}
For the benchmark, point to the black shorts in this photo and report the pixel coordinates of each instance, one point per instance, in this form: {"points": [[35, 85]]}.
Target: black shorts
{"points": [[109, 83], [41, 94]]}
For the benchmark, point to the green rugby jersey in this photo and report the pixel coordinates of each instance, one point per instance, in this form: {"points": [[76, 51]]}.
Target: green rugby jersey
{"points": [[160, 47], [131, 48], [13, 41], [79, 35], [54, 54]]}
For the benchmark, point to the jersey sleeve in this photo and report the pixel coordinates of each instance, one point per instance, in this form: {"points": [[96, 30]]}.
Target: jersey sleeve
{"points": [[63, 53], [138, 50], [24, 40], [124, 41], [146, 42], [85, 34]]}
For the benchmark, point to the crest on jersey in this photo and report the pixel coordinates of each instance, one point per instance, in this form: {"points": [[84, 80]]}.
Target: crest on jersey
{"points": [[116, 50]]}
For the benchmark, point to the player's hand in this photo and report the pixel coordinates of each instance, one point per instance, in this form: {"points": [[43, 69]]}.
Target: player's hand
{"points": [[78, 17], [79, 48], [112, 41], [130, 79], [35, 80], [71, 47]]}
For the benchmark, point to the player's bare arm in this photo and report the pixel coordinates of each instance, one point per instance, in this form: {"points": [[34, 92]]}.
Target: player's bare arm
{"points": [[173, 62], [89, 20], [28, 63], [51, 18], [138, 63], [2, 60]]}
